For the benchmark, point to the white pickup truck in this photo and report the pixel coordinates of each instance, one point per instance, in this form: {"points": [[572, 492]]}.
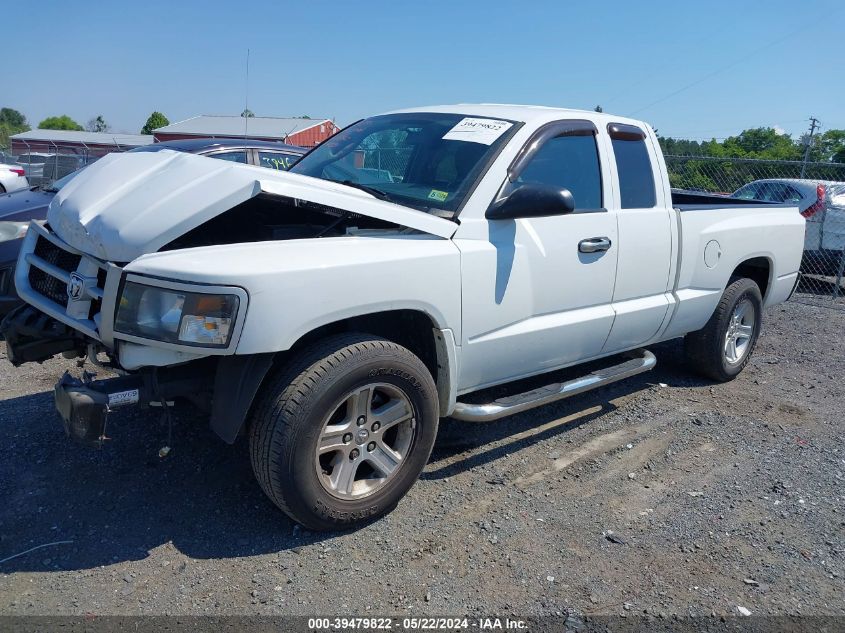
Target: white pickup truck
{"points": [[334, 313]]}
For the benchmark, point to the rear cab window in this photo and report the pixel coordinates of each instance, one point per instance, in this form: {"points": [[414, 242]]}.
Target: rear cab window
{"points": [[633, 166]]}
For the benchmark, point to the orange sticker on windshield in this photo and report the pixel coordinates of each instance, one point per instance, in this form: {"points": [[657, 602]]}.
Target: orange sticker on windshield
{"points": [[440, 196]]}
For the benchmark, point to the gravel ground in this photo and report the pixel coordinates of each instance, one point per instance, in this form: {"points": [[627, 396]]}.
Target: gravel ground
{"points": [[665, 494]]}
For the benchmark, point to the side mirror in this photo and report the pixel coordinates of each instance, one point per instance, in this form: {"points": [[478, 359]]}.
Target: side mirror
{"points": [[532, 200]]}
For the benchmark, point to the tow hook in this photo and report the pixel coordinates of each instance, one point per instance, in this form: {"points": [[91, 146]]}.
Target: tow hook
{"points": [[84, 405]]}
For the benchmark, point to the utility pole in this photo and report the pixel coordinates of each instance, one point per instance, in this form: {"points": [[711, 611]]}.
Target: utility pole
{"points": [[814, 123], [246, 97]]}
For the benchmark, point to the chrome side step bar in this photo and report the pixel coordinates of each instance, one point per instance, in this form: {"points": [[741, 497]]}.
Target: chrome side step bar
{"points": [[643, 361]]}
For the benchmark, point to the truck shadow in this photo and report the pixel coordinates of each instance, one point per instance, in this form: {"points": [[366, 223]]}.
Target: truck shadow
{"points": [[125, 503]]}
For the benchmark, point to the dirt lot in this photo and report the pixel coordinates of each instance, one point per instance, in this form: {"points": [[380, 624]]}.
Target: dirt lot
{"points": [[665, 495]]}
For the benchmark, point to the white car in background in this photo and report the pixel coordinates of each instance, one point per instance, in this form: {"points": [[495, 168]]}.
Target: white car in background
{"points": [[822, 203], [12, 178]]}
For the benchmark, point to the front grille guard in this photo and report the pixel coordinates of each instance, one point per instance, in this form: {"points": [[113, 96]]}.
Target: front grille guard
{"points": [[90, 313]]}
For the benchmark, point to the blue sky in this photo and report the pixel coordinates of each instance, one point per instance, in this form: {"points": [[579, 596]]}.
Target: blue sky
{"points": [[753, 63]]}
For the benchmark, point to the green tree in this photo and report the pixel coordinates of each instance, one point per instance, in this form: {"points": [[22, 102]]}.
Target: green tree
{"points": [[247, 113], [828, 145], [763, 144], [679, 147], [97, 124], [11, 122], [760, 142], [154, 121], [12, 118], [63, 122]]}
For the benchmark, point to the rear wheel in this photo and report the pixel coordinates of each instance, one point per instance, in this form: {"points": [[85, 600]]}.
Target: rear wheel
{"points": [[340, 435], [722, 348]]}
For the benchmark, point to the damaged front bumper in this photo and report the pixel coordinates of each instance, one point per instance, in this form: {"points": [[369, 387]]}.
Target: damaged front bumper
{"points": [[223, 386], [32, 336], [85, 404]]}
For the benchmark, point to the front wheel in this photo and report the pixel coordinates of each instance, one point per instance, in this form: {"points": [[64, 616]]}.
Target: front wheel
{"points": [[341, 434], [722, 348]]}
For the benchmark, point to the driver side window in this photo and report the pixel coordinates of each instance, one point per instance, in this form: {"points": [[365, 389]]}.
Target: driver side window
{"points": [[570, 162]]}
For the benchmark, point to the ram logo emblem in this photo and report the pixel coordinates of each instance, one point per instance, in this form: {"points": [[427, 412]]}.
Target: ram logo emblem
{"points": [[75, 287]]}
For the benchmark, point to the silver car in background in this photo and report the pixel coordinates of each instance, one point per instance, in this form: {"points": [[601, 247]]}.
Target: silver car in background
{"points": [[822, 203], [33, 164]]}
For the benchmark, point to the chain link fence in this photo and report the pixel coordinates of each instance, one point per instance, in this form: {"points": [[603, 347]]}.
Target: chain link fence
{"points": [[45, 161], [384, 164], [817, 189]]}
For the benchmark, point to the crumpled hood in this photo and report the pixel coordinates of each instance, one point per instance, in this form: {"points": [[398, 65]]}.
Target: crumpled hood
{"points": [[126, 205]]}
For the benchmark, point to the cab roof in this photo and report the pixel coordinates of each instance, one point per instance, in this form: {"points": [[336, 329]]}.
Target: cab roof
{"points": [[526, 113]]}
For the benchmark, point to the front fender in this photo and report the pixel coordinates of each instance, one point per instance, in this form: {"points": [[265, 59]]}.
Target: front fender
{"points": [[296, 286]]}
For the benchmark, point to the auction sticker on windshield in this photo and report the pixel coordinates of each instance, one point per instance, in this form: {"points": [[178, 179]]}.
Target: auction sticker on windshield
{"points": [[473, 130]]}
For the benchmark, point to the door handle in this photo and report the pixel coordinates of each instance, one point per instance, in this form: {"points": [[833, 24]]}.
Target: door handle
{"points": [[594, 244]]}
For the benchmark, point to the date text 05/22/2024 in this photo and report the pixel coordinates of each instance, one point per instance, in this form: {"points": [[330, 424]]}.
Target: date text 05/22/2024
{"points": [[416, 624]]}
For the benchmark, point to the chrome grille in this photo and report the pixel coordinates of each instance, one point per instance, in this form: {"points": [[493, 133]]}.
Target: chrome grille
{"points": [[52, 254], [42, 283], [49, 269], [53, 288]]}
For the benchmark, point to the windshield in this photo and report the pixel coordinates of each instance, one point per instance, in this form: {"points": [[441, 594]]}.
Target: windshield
{"points": [[428, 161]]}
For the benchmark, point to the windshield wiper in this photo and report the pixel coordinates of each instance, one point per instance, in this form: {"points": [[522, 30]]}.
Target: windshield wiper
{"points": [[378, 193]]}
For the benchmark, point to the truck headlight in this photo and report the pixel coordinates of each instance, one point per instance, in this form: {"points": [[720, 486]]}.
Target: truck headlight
{"points": [[176, 316]]}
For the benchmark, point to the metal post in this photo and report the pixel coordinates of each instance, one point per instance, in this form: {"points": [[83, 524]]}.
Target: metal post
{"points": [[55, 160], [839, 273], [813, 123]]}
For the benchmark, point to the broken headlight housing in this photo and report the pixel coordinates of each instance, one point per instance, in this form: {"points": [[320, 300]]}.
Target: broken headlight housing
{"points": [[176, 316]]}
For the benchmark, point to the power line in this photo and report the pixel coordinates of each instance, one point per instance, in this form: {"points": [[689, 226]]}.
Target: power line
{"points": [[807, 25]]}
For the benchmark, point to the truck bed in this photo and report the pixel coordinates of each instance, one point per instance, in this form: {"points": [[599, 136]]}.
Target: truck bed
{"points": [[716, 235], [685, 200]]}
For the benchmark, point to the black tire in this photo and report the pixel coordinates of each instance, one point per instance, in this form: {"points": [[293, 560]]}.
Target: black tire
{"points": [[706, 348], [287, 423]]}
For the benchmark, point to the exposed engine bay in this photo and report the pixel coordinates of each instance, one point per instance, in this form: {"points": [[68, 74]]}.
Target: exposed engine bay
{"points": [[268, 217]]}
